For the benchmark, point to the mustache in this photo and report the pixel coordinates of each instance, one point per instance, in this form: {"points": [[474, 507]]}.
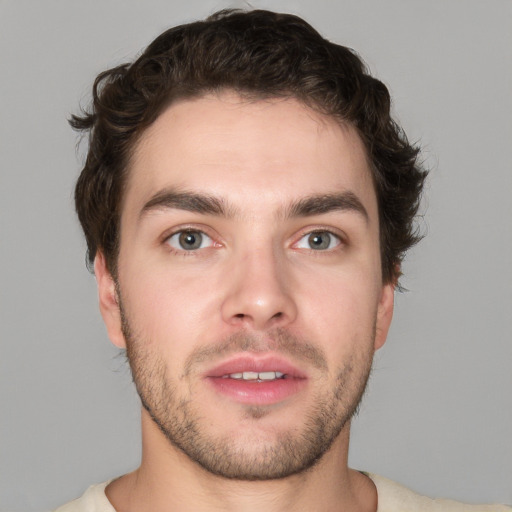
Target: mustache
{"points": [[276, 340]]}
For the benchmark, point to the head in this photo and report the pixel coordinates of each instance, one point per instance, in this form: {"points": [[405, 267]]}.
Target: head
{"points": [[247, 201], [257, 54]]}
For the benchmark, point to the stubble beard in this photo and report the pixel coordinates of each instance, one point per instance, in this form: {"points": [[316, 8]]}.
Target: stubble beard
{"points": [[286, 454]]}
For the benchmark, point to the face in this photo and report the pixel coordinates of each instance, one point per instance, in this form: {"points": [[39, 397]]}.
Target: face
{"points": [[249, 293]]}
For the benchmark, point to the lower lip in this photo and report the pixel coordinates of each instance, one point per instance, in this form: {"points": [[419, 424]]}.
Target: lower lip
{"points": [[257, 393]]}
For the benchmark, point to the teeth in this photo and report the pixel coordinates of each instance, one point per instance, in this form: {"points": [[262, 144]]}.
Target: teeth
{"points": [[270, 375], [261, 376]]}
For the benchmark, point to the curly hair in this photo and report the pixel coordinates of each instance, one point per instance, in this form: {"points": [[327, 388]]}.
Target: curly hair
{"points": [[259, 54]]}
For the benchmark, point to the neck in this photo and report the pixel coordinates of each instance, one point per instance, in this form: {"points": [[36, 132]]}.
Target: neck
{"points": [[168, 480]]}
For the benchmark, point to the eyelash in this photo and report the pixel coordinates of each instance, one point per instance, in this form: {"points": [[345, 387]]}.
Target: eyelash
{"points": [[186, 229], [193, 252], [319, 231]]}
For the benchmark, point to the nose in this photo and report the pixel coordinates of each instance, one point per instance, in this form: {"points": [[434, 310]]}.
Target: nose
{"points": [[259, 294]]}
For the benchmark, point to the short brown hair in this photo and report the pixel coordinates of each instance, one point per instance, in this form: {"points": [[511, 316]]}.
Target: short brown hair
{"points": [[257, 53]]}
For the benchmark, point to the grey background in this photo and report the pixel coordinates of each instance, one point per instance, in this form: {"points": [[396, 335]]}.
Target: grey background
{"points": [[437, 416]]}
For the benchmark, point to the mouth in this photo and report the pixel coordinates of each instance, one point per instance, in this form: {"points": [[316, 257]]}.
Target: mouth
{"points": [[256, 376], [256, 380]]}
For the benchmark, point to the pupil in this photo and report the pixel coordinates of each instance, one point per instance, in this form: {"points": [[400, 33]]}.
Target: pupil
{"points": [[319, 240], [190, 240]]}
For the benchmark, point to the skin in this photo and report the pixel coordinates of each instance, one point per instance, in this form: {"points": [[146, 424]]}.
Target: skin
{"points": [[254, 282]]}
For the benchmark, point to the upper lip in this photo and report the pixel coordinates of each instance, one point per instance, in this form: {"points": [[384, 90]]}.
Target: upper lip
{"points": [[256, 363]]}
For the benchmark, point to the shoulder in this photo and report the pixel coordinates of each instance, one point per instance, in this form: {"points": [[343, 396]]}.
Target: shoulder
{"points": [[394, 497], [93, 500]]}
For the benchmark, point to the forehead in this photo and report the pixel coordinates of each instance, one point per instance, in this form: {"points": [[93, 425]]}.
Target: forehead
{"points": [[254, 153]]}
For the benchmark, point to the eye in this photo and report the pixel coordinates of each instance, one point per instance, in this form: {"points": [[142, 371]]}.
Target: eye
{"points": [[189, 240], [319, 241]]}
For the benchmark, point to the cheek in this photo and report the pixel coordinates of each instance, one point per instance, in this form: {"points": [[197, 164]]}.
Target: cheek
{"points": [[167, 306], [342, 306]]}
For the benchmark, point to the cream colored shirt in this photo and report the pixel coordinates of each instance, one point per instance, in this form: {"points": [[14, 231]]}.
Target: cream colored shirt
{"points": [[392, 498]]}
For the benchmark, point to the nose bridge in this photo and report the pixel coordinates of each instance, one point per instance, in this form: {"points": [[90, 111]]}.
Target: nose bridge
{"points": [[259, 293]]}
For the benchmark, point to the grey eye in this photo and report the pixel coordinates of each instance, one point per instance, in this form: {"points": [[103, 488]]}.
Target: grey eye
{"points": [[189, 240], [319, 241]]}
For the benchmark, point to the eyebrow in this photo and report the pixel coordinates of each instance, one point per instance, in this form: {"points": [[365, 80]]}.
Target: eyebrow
{"points": [[325, 203], [206, 204], [189, 201]]}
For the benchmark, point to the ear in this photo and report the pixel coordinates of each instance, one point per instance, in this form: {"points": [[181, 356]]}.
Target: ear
{"points": [[384, 314], [109, 305]]}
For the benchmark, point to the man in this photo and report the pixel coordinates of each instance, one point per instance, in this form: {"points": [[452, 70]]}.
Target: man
{"points": [[247, 201]]}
